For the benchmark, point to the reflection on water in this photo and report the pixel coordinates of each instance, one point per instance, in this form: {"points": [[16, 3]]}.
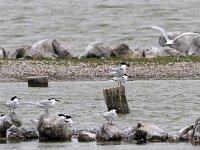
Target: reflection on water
{"points": [[170, 104]]}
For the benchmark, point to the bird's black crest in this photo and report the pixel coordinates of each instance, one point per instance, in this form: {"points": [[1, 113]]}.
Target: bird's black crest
{"points": [[13, 98], [124, 63]]}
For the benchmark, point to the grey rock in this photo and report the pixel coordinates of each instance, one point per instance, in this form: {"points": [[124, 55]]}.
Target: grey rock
{"points": [[86, 136], [53, 127], [97, 49], [129, 133], [18, 53], [2, 53], [7, 122], [40, 49], [152, 52], [196, 132], [123, 51], [195, 47], [14, 134], [150, 132], [109, 133], [29, 133], [62, 50], [182, 44]]}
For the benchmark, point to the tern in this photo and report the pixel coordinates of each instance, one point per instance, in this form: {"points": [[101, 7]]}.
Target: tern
{"points": [[110, 115], [67, 119], [12, 104], [46, 104], [121, 70], [169, 41]]}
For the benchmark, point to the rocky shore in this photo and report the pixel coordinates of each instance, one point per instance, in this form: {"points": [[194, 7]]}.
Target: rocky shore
{"points": [[63, 70]]}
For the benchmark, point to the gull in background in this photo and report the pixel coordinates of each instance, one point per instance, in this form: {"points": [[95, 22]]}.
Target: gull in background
{"points": [[110, 115], [169, 41], [121, 70], [46, 104], [12, 104], [67, 119], [120, 80]]}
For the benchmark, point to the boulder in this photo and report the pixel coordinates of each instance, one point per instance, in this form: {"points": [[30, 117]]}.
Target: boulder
{"points": [[18, 53], [86, 136], [29, 133], [97, 49], [52, 127], [152, 52], [195, 48], [196, 132], [41, 49], [62, 50], [2, 53], [129, 133], [14, 134], [150, 132], [109, 133], [123, 51], [7, 122], [182, 44]]}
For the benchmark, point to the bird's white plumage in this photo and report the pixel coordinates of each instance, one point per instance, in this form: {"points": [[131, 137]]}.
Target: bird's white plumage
{"points": [[120, 70], [12, 104], [120, 80], [46, 104], [169, 41], [110, 115]]}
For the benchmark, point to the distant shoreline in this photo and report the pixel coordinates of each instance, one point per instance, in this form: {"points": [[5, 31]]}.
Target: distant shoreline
{"points": [[87, 70]]}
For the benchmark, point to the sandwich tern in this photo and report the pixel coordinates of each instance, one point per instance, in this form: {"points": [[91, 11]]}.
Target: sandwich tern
{"points": [[171, 41], [121, 70], [12, 104], [67, 119], [46, 104], [110, 115], [120, 80]]}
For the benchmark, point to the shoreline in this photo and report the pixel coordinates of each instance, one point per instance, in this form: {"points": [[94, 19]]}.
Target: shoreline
{"points": [[70, 70]]}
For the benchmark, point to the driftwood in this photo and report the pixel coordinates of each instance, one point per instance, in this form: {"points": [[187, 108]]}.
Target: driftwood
{"points": [[116, 99]]}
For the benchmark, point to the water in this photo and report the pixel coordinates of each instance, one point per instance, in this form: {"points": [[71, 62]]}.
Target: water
{"points": [[79, 22], [169, 104]]}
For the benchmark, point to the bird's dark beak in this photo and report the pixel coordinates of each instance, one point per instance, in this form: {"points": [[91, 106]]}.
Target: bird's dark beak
{"points": [[57, 100]]}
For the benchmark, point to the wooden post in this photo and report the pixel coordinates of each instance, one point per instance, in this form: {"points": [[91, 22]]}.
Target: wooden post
{"points": [[116, 99], [38, 81]]}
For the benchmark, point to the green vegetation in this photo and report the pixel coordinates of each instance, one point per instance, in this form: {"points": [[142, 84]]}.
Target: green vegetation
{"points": [[115, 61]]}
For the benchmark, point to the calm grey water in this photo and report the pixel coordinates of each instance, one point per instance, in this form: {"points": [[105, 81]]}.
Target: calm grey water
{"points": [[170, 104], [80, 22]]}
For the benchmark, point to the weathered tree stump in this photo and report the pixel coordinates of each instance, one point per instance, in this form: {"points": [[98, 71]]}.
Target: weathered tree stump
{"points": [[116, 99], [38, 81]]}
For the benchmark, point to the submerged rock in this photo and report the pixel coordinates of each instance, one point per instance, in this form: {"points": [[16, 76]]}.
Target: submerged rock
{"points": [[86, 136], [129, 133], [29, 133], [97, 49], [14, 134], [109, 133], [150, 132], [53, 127], [7, 122], [196, 132]]}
